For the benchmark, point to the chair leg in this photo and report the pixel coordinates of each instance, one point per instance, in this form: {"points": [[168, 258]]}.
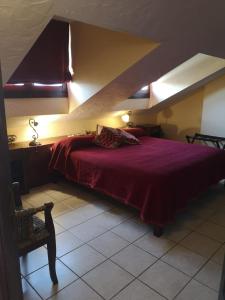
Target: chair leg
{"points": [[51, 246]]}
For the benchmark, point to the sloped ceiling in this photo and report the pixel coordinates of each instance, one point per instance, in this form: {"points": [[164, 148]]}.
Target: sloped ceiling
{"points": [[99, 56], [183, 29], [196, 70]]}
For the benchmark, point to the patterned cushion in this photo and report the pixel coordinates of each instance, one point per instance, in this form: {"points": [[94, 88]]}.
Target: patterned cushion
{"points": [[129, 138], [99, 129], [109, 138], [136, 131]]}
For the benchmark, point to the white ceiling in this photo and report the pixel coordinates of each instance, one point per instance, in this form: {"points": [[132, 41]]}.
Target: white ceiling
{"points": [[184, 28]]}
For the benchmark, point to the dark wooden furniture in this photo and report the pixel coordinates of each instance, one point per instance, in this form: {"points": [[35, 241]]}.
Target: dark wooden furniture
{"points": [[222, 283], [10, 280], [29, 165], [32, 232], [152, 129], [217, 141]]}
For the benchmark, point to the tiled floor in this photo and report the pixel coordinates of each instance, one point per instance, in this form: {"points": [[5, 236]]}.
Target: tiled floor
{"points": [[105, 252]]}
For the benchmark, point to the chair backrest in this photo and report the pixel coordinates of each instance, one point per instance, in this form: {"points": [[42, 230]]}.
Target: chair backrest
{"points": [[16, 194]]}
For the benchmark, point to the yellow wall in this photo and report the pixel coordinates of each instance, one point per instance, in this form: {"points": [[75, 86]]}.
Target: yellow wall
{"points": [[99, 56], [213, 115], [182, 118], [178, 119], [50, 126], [200, 111]]}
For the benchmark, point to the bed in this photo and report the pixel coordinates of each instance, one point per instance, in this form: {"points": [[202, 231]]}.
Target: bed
{"points": [[158, 176]]}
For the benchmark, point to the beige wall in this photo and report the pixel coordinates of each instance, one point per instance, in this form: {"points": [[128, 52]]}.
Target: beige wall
{"points": [[35, 106], [178, 119], [201, 111], [50, 126], [213, 115], [182, 118], [99, 56]]}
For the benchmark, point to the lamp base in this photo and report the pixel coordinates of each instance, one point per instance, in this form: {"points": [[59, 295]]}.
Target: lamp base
{"points": [[34, 143], [130, 124]]}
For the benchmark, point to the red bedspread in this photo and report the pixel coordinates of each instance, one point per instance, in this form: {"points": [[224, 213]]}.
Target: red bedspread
{"points": [[158, 176]]}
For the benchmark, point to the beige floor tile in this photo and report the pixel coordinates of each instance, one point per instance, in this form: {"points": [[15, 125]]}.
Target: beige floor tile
{"points": [[58, 228], [66, 242], [196, 291], [78, 290], [218, 218], [175, 232], [82, 259], [58, 195], [154, 245], [70, 219], [108, 243], [213, 231], [89, 215], [133, 260], [138, 291], [28, 292], [38, 199], [107, 279], [104, 204], [218, 257], [189, 220], [184, 260], [75, 202], [26, 204], [202, 209], [164, 279], [33, 261], [59, 209], [88, 230], [90, 211], [131, 230], [113, 217], [42, 283], [210, 275], [78, 216], [217, 202], [200, 244]]}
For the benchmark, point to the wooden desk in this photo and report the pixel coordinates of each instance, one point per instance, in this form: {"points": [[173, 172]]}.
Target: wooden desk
{"points": [[29, 165]]}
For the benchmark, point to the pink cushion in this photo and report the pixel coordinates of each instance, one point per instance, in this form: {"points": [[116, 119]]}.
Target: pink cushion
{"points": [[109, 138], [129, 138], [114, 137]]}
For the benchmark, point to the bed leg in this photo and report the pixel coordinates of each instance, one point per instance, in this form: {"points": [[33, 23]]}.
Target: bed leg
{"points": [[157, 230]]}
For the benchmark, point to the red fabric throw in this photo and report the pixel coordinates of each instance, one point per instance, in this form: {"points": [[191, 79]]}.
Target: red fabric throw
{"points": [[158, 177], [62, 149]]}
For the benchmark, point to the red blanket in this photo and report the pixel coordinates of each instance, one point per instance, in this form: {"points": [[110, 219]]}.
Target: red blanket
{"points": [[158, 176]]}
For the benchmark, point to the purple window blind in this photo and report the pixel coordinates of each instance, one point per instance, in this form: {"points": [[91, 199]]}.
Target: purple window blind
{"points": [[48, 60]]}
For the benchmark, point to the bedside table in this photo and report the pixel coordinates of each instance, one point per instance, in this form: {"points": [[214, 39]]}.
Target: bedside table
{"points": [[29, 165], [152, 129]]}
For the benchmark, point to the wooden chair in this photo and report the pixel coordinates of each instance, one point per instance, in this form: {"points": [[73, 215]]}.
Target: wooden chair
{"points": [[32, 232]]}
